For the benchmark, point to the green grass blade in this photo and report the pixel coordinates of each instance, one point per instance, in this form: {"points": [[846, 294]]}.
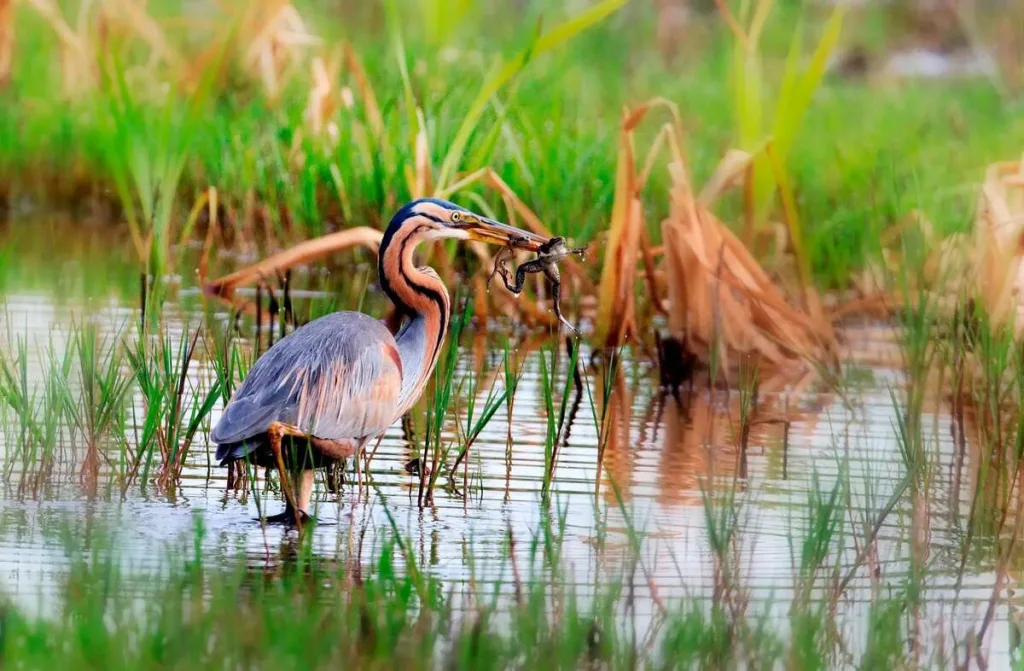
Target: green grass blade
{"points": [[544, 43]]}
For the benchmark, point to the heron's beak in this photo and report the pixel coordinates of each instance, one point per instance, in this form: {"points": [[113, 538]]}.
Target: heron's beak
{"points": [[495, 232]]}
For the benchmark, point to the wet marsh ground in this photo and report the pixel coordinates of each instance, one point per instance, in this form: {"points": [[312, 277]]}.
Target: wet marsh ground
{"points": [[608, 523]]}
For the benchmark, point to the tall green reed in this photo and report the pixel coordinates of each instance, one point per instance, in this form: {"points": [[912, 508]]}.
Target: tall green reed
{"points": [[103, 386], [602, 413], [436, 444], [512, 376], [39, 408], [147, 140], [176, 400], [231, 361], [917, 322], [795, 93], [470, 424], [555, 419], [811, 641]]}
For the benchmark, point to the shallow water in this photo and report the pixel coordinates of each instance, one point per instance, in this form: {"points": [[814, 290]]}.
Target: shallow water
{"points": [[660, 458]]}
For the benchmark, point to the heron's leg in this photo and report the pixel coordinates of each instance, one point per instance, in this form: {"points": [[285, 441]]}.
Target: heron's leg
{"points": [[275, 432], [305, 480]]}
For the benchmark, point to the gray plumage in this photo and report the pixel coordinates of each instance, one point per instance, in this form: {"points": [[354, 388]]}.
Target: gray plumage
{"points": [[338, 377]]}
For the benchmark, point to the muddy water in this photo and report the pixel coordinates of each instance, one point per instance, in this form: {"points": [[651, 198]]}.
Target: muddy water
{"points": [[660, 456]]}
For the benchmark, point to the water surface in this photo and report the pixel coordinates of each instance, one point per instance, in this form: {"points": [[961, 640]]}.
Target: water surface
{"points": [[663, 457]]}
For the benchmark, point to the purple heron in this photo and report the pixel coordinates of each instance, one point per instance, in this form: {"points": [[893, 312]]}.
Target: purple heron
{"points": [[337, 382]]}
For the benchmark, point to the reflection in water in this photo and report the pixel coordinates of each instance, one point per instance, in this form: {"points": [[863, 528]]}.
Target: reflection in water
{"points": [[654, 451], [616, 452], [693, 449]]}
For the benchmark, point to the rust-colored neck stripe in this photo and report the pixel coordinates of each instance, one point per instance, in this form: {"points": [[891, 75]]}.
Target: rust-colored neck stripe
{"points": [[415, 292]]}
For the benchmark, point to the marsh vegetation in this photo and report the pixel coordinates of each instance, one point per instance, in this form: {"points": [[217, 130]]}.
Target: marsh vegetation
{"points": [[787, 434]]}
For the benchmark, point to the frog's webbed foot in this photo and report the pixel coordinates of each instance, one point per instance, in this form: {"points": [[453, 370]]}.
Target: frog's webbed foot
{"points": [[514, 289], [557, 303]]}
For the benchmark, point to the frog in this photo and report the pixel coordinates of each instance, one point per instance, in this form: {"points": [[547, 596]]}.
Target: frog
{"points": [[550, 254]]}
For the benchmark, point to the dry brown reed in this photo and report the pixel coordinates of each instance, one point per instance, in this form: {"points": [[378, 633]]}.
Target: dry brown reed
{"points": [[78, 62], [719, 300], [983, 265], [269, 41], [6, 39], [999, 243], [275, 43]]}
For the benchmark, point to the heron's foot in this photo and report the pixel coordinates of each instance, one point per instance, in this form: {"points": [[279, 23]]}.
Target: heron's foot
{"points": [[288, 518]]}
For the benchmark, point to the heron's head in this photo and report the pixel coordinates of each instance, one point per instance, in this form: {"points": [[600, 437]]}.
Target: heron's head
{"points": [[437, 218]]}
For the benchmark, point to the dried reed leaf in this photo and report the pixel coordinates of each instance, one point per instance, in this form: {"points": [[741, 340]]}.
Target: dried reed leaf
{"points": [[78, 65], [6, 39], [999, 243], [324, 100], [619, 267], [650, 272], [676, 257], [138, 20], [720, 297], [279, 39], [730, 170], [304, 252], [627, 230], [422, 171]]}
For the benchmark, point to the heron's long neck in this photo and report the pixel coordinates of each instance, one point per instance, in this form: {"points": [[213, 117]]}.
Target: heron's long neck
{"points": [[420, 295]]}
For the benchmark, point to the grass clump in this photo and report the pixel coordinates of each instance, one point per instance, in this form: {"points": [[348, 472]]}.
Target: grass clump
{"points": [[103, 388], [176, 403]]}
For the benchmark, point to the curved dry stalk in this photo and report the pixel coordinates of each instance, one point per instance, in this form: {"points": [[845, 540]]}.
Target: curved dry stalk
{"points": [[310, 250], [615, 317]]}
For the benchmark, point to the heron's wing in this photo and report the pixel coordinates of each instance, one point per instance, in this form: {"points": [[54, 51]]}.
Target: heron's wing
{"points": [[337, 377]]}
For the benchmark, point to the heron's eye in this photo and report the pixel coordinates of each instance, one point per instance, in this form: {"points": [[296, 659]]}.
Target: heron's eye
{"points": [[456, 217]]}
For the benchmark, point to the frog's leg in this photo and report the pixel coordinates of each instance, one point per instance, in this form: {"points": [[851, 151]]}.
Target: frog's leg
{"points": [[555, 277], [500, 259], [534, 266]]}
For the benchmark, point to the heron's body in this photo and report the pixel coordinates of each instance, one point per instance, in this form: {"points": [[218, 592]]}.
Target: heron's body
{"points": [[311, 379], [343, 379]]}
